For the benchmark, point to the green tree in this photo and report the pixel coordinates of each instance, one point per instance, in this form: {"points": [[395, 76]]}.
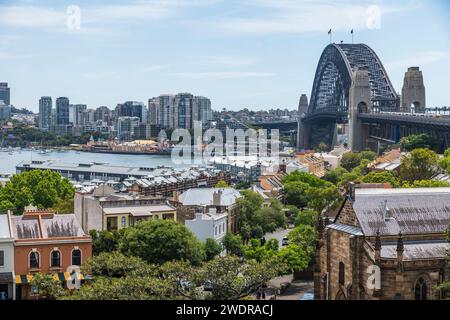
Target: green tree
{"points": [[418, 141], [212, 248], [351, 160], [105, 241], [320, 199], [294, 257], [125, 288], [334, 176], [419, 164], [381, 177], [47, 287], [254, 250], [221, 184], [229, 277], [117, 265], [304, 236], [306, 217], [242, 185], [44, 189], [232, 244], [425, 184], [256, 220], [295, 193], [158, 241]]}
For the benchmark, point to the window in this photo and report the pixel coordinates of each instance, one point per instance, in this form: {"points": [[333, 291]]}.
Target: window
{"points": [[124, 222], [341, 273], [34, 260], [421, 289], [2, 258], [76, 257], [111, 223], [56, 258]]}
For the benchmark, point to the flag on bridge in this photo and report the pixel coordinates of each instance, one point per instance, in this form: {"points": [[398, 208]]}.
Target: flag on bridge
{"points": [[329, 32], [351, 31]]}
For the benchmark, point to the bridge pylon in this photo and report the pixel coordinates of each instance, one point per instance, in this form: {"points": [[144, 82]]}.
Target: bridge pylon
{"points": [[359, 102], [413, 91], [302, 128]]}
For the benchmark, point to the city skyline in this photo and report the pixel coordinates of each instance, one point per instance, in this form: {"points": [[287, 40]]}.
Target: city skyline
{"points": [[254, 54]]}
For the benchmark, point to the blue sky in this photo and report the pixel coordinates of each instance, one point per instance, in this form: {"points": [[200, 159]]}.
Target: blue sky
{"points": [[249, 53]]}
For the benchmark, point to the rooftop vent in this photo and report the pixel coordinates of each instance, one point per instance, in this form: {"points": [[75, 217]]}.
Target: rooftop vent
{"points": [[387, 214]]}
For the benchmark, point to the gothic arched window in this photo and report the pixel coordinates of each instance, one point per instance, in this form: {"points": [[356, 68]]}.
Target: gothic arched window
{"points": [[421, 289]]}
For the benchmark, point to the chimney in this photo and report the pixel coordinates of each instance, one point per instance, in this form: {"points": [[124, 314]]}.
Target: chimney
{"points": [[351, 188], [198, 214], [377, 247], [176, 196], [217, 195], [400, 246]]}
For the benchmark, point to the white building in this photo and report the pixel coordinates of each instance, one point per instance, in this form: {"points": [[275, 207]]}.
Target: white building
{"points": [[7, 286], [208, 225]]}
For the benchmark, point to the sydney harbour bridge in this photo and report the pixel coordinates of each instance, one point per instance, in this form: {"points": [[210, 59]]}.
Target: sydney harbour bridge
{"points": [[351, 87]]}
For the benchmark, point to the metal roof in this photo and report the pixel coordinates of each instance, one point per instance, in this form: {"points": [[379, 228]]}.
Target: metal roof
{"points": [[204, 196], [139, 211], [346, 228], [4, 227], [412, 211], [417, 250]]}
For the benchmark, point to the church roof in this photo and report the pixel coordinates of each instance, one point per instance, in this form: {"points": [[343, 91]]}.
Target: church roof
{"points": [[410, 211], [414, 250]]}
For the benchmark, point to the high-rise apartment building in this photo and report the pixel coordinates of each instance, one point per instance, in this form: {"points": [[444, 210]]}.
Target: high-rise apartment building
{"points": [[62, 111], [76, 114], [5, 110], [45, 113], [185, 111], [161, 110], [204, 109], [132, 109], [178, 111], [5, 93], [126, 127]]}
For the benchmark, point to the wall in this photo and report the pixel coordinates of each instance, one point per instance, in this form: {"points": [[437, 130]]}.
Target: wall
{"points": [[8, 248]]}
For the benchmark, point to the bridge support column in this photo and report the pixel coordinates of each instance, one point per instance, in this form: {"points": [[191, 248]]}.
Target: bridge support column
{"points": [[302, 128], [413, 91], [359, 101]]}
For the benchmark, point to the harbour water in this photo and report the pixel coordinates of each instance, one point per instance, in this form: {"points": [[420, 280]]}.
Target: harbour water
{"points": [[9, 160]]}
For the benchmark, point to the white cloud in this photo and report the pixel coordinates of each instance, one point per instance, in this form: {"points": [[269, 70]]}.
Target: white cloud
{"points": [[31, 16], [222, 75], [289, 16], [419, 59]]}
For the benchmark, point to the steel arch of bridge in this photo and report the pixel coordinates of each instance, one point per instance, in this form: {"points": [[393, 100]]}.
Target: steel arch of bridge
{"points": [[333, 78]]}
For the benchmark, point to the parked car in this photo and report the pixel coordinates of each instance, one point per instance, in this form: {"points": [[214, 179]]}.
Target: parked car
{"points": [[285, 241], [308, 295]]}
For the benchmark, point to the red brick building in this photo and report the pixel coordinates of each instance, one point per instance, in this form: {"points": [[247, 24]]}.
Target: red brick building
{"points": [[48, 243]]}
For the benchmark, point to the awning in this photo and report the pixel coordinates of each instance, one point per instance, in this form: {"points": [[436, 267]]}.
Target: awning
{"points": [[60, 276], [23, 279]]}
